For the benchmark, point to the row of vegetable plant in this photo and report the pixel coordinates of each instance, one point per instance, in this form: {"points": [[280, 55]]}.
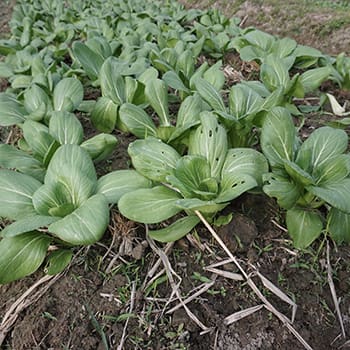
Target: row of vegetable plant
{"points": [[200, 144]]}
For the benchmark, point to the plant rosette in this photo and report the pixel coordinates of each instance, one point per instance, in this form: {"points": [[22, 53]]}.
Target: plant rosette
{"points": [[206, 179], [308, 176], [40, 142], [71, 207]]}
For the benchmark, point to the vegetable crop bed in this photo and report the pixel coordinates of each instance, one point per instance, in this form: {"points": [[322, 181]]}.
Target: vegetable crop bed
{"points": [[171, 178]]}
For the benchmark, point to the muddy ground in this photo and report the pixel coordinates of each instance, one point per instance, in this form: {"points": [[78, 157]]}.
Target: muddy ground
{"points": [[107, 290]]}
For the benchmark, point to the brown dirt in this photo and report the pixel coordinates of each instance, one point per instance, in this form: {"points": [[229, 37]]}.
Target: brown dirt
{"points": [[89, 301], [325, 27]]}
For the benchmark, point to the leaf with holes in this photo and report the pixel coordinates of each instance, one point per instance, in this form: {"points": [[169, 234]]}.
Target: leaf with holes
{"points": [[278, 137], [210, 141]]}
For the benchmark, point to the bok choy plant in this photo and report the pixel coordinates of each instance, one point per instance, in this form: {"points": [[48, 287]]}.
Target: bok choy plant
{"points": [[308, 178], [38, 105], [117, 90], [254, 44], [39, 143], [69, 208], [206, 179], [248, 102]]}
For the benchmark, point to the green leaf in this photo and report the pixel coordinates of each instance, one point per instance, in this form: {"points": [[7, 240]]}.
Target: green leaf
{"points": [[189, 111], [21, 81], [244, 101], [339, 225], [185, 63], [233, 185], [38, 138], [62, 210], [322, 145], [284, 47], [149, 74], [27, 224], [134, 91], [215, 76], [303, 226], [297, 174], [53, 199], [333, 170], [210, 95], [260, 39], [153, 159], [336, 194], [313, 78], [173, 80], [85, 225], [22, 255], [283, 189], [66, 128], [100, 45], [34, 98], [50, 152], [58, 261], [12, 111], [274, 73], [223, 220], [112, 82], [100, 147], [187, 117], [13, 158], [137, 121], [68, 94], [5, 69], [210, 141], [117, 183], [278, 137], [157, 95], [245, 161], [16, 192], [149, 206], [104, 115], [90, 60], [205, 207], [189, 176], [72, 167], [274, 99], [175, 231]]}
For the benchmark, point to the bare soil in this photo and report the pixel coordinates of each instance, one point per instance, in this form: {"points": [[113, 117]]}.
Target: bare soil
{"points": [[88, 306]]}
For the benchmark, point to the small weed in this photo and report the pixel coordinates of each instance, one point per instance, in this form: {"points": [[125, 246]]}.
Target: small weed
{"points": [[48, 316], [198, 277], [155, 284], [262, 250], [222, 291], [97, 327]]}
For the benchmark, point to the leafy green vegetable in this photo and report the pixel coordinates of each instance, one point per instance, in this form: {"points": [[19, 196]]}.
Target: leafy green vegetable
{"points": [[306, 176], [206, 179], [71, 203]]}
